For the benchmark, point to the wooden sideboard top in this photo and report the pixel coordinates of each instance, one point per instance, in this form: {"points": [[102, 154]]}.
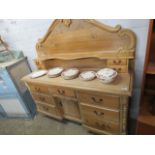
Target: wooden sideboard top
{"points": [[121, 86]]}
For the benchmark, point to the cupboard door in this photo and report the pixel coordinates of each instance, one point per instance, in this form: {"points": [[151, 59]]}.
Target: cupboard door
{"points": [[71, 110]]}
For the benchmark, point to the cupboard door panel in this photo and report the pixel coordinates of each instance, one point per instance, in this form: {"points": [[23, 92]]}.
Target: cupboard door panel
{"points": [[71, 110]]}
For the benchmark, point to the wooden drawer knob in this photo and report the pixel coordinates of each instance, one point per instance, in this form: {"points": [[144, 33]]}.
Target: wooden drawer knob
{"points": [[119, 69], [46, 109], [37, 89], [99, 113], [60, 103], [61, 92], [117, 62], [42, 99], [97, 101], [100, 125], [104, 126]]}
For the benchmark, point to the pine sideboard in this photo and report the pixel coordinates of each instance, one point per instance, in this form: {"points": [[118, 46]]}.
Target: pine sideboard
{"points": [[87, 45]]}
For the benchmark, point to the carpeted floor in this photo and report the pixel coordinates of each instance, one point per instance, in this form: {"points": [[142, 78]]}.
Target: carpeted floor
{"points": [[41, 125]]}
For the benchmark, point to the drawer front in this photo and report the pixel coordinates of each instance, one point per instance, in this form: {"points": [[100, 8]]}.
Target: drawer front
{"points": [[117, 62], [43, 99], [48, 109], [111, 102], [106, 126], [120, 69], [62, 91], [38, 88], [99, 113]]}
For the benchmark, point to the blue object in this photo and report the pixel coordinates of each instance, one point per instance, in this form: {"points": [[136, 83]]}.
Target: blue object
{"points": [[15, 99]]}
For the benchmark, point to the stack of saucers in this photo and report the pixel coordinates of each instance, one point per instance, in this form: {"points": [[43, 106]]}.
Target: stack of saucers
{"points": [[55, 72], [106, 75], [70, 73]]}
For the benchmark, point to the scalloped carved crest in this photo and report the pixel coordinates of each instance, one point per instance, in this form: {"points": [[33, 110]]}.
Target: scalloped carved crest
{"points": [[74, 39]]}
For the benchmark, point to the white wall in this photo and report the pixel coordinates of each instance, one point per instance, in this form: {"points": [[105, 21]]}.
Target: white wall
{"points": [[23, 35]]}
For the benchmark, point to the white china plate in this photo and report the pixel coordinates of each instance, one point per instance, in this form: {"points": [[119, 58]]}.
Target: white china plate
{"points": [[87, 75], [54, 72], [70, 73], [106, 73], [38, 74]]}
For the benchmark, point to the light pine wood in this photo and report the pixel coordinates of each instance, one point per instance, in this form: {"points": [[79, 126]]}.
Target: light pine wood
{"points": [[99, 113], [101, 125], [121, 86], [62, 91], [112, 62], [85, 40], [84, 37], [86, 45], [84, 64], [71, 110], [39, 88], [101, 100], [119, 69], [49, 110], [43, 98]]}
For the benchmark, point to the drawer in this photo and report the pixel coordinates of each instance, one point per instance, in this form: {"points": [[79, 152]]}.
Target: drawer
{"points": [[99, 113], [120, 69], [62, 91], [48, 109], [38, 88], [106, 126], [43, 98], [107, 101], [117, 62]]}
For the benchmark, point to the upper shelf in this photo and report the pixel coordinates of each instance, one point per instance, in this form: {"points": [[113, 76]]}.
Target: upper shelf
{"points": [[74, 39]]}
